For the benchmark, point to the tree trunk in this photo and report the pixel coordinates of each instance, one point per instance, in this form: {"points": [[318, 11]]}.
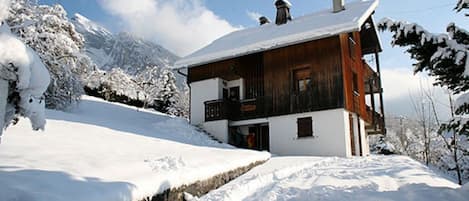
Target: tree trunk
{"points": [[455, 149], [455, 155], [3, 102]]}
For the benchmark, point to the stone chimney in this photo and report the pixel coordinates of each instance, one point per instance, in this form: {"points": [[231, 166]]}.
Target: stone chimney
{"points": [[338, 5], [283, 12], [264, 20]]}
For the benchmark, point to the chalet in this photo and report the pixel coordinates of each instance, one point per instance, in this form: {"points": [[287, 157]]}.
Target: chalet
{"points": [[299, 86]]}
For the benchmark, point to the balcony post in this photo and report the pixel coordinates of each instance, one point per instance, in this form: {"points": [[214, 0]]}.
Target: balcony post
{"points": [[380, 90], [373, 107]]}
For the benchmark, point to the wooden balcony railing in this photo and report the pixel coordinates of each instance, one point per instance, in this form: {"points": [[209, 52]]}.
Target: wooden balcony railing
{"points": [[255, 108], [216, 110], [375, 121]]}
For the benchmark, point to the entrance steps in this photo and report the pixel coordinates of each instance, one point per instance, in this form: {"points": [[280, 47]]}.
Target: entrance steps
{"points": [[201, 129]]}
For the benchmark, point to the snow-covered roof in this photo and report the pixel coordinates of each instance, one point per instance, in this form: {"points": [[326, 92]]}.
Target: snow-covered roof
{"points": [[315, 26]]}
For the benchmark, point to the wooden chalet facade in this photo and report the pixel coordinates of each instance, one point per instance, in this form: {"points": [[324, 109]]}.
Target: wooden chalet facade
{"points": [[307, 97]]}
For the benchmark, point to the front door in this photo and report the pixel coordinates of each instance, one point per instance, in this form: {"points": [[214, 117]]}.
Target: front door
{"points": [[265, 138]]}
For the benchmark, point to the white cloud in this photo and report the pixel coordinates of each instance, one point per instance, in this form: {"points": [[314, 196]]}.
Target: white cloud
{"points": [[254, 15], [401, 86], [400, 82], [182, 26]]}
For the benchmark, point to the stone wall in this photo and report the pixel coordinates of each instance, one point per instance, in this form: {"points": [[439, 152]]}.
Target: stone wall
{"points": [[202, 187]]}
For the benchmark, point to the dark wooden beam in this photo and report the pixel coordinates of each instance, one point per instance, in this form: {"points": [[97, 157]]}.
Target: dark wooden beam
{"points": [[378, 68]]}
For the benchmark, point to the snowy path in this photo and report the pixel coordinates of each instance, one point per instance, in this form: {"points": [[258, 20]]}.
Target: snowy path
{"points": [[313, 178], [109, 152]]}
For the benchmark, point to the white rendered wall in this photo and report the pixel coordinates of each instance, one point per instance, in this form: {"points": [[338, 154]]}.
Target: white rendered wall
{"points": [[219, 129], [356, 139], [330, 129], [365, 144], [364, 138], [202, 91]]}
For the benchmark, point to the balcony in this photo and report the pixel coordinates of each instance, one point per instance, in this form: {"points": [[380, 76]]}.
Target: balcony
{"points": [[375, 122], [260, 107], [234, 110]]}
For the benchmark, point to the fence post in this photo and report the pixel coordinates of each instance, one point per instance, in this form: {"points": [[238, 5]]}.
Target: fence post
{"points": [[3, 103]]}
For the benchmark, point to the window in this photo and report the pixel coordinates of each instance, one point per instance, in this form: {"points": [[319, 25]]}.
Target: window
{"points": [[351, 45], [302, 79], [355, 83], [305, 127]]}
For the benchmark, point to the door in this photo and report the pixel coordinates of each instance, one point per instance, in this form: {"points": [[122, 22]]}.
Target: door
{"points": [[260, 138], [234, 94], [265, 138]]}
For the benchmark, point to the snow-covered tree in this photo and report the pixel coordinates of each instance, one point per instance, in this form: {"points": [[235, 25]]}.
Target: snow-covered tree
{"points": [[48, 31], [184, 101], [445, 57], [168, 95], [118, 82], [148, 84], [462, 4], [23, 79]]}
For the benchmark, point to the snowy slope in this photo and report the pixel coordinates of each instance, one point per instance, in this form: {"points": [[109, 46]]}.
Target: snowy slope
{"points": [[396, 178], [109, 152], [122, 50]]}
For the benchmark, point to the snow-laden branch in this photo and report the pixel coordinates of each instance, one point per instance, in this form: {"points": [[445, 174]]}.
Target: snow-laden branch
{"points": [[462, 4], [27, 79], [444, 56]]}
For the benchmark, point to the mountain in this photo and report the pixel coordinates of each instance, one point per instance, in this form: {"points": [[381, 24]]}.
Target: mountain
{"points": [[122, 50]]}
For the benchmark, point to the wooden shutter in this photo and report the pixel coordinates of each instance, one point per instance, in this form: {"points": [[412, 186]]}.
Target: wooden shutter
{"points": [[305, 127]]}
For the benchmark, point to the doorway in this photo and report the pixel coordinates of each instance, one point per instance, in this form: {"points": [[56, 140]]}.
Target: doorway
{"points": [[234, 94], [254, 137]]}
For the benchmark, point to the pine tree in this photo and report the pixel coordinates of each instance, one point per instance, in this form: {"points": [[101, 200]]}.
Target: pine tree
{"points": [[168, 95], [445, 57], [47, 30]]}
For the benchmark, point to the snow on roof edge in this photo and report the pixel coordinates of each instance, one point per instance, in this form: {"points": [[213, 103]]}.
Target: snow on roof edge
{"points": [[211, 58], [189, 62]]}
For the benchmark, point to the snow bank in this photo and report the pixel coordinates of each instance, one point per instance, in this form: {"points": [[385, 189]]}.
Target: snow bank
{"points": [[4, 5], [32, 77], [110, 152], [371, 178]]}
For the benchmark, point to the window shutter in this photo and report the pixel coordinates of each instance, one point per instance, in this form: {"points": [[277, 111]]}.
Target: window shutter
{"points": [[305, 127]]}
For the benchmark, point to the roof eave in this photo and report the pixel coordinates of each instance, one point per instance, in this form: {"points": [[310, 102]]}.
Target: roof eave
{"points": [[355, 26], [189, 64]]}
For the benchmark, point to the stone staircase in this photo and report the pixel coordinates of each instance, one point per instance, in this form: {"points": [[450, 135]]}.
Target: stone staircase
{"points": [[200, 128]]}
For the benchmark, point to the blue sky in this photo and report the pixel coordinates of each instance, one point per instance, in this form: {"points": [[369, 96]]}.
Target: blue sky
{"points": [[432, 14], [186, 25]]}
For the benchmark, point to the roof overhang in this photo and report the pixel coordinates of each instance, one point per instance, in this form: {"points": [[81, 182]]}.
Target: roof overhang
{"points": [[312, 27]]}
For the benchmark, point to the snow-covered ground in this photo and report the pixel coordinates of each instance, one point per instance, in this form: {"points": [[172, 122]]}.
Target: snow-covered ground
{"points": [[373, 178], [109, 152]]}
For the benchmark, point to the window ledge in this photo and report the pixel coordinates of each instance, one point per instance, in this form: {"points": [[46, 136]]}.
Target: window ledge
{"points": [[305, 138]]}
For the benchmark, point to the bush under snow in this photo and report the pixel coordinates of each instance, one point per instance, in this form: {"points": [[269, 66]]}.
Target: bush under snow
{"points": [[27, 80]]}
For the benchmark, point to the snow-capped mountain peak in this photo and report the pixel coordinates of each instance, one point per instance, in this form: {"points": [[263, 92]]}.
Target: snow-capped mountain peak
{"points": [[83, 24], [122, 50]]}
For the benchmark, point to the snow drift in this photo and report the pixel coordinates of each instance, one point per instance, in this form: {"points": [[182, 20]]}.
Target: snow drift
{"points": [[110, 152]]}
